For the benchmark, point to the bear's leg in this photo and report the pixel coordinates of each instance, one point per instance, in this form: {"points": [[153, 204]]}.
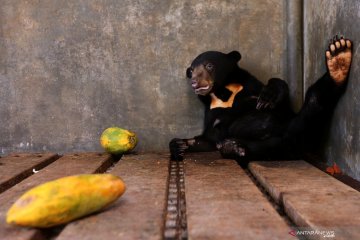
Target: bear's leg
{"points": [[306, 130], [338, 59]]}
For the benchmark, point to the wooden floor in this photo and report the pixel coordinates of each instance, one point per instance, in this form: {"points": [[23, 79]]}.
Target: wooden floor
{"points": [[203, 197]]}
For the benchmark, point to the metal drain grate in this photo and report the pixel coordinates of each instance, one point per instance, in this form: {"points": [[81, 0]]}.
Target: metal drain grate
{"points": [[175, 220]]}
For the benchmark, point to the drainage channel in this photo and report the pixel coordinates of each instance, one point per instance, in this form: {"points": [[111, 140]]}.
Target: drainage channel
{"points": [[175, 226], [279, 208]]}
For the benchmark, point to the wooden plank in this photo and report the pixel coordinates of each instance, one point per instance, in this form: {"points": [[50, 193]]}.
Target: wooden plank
{"points": [[222, 202], [317, 161], [139, 213], [311, 198], [67, 165], [16, 167]]}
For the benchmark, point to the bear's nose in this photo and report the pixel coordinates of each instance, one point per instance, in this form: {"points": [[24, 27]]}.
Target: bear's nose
{"points": [[194, 83]]}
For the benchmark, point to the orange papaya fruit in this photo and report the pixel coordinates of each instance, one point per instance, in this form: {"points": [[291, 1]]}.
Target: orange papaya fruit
{"points": [[65, 199], [116, 140]]}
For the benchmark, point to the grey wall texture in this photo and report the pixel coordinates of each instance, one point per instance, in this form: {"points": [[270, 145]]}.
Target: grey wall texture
{"points": [[69, 69], [323, 19]]}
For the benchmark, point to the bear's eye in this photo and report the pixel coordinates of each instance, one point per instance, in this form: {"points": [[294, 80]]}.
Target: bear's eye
{"points": [[189, 72], [209, 67]]}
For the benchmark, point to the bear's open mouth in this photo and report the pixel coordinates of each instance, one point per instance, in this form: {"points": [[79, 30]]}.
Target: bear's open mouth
{"points": [[203, 90]]}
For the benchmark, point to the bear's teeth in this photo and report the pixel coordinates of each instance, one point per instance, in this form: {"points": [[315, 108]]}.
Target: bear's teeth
{"points": [[203, 88]]}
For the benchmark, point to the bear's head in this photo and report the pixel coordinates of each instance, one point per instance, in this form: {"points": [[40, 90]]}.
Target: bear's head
{"points": [[211, 69]]}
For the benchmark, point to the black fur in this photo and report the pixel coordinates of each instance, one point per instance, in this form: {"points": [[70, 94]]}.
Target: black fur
{"points": [[260, 124]]}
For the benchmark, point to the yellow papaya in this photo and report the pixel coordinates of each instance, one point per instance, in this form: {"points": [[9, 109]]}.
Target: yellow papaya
{"points": [[117, 140], [65, 199]]}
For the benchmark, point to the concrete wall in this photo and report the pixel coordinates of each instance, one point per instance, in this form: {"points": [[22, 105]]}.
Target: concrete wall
{"points": [[323, 19], [71, 68]]}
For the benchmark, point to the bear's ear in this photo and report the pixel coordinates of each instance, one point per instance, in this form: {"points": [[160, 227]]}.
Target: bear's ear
{"points": [[234, 55]]}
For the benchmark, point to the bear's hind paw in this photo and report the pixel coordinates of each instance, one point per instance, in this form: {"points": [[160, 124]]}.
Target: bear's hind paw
{"points": [[338, 59]]}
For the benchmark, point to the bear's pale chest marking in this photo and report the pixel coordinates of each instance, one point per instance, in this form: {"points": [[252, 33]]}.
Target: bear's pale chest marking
{"points": [[218, 103]]}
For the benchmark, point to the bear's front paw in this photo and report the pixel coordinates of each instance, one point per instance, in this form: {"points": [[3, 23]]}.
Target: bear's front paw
{"points": [[177, 149], [231, 148], [272, 94], [267, 99], [338, 59]]}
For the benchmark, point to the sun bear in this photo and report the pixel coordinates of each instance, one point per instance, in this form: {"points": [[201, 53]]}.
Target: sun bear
{"points": [[245, 119]]}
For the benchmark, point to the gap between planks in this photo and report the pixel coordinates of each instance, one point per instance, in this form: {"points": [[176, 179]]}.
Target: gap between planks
{"points": [[18, 167]]}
